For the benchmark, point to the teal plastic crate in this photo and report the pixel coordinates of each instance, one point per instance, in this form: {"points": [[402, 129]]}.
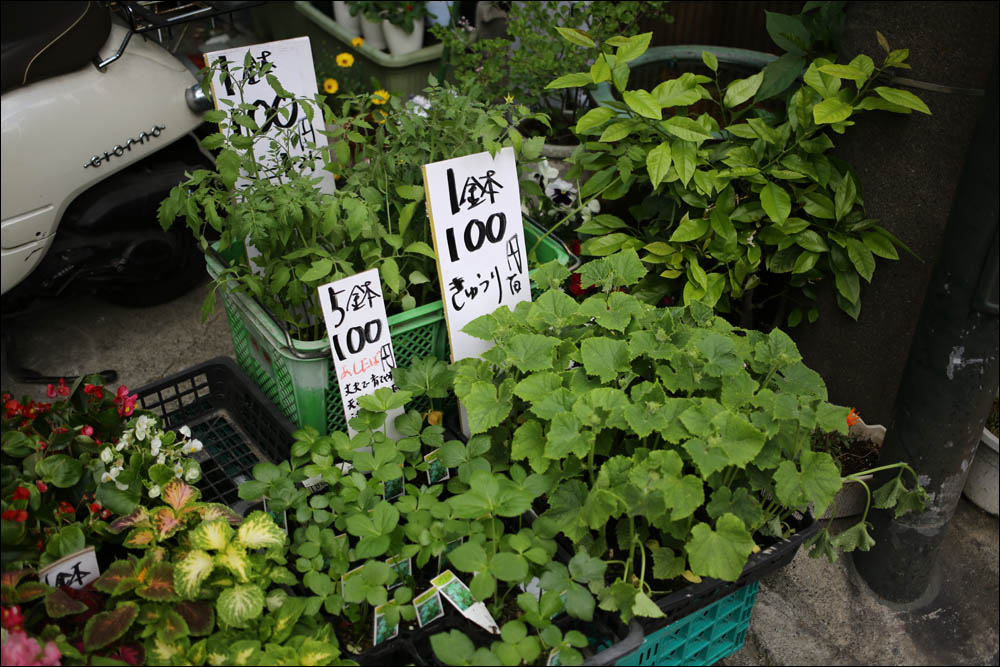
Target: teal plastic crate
{"points": [[702, 638], [300, 377]]}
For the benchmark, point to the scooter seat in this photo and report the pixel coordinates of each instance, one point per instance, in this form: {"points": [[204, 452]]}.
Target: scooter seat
{"points": [[42, 40]]}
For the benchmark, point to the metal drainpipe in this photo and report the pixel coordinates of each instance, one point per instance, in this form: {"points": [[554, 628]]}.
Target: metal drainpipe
{"points": [[949, 381]]}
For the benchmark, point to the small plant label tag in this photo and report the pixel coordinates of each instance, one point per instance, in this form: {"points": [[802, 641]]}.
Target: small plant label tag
{"points": [[394, 487], [436, 470], [554, 658], [474, 205], [348, 575], [292, 63], [429, 606], [383, 630], [359, 341], [75, 570], [458, 594], [279, 518], [403, 568], [448, 548]]}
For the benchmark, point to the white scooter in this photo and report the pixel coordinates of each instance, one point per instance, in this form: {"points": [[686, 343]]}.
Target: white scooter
{"points": [[98, 124]]}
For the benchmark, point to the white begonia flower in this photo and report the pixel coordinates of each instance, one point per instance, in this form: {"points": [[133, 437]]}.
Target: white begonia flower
{"points": [[161, 459], [142, 427], [123, 441], [112, 476], [107, 455], [121, 487], [154, 491], [154, 446], [178, 470], [192, 447], [106, 477], [192, 474], [185, 431]]}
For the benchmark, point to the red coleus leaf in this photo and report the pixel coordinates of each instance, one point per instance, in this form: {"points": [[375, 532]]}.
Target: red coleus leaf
{"points": [[165, 522], [138, 516], [179, 495], [58, 603], [108, 626], [157, 583], [118, 578], [31, 590], [199, 616]]}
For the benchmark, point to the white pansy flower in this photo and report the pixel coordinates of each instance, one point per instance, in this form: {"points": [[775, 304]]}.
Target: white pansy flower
{"points": [[154, 446], [107, 455], [547, 171], [154, 491], [185, 431]]}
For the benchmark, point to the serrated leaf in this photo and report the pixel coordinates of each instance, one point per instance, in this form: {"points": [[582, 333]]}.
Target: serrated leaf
{"points": [[191, 571], [108, 626], [604, 357], [240, 604], [855, 538], [259, 531]]}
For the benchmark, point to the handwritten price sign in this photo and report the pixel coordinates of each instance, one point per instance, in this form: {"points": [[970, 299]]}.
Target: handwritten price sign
{"points": [[475, 211], [359, 340], [292, 64], [76, 570]]}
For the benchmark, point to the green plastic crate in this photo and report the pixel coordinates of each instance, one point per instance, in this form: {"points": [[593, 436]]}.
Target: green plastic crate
{"points": [[702, 638], [299, 376]]}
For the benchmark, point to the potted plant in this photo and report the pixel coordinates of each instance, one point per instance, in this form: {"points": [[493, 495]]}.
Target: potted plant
{"points": [[370, 14], [343, 15], [737, 205], [676, 444], [403, 26], [530, 55], [304, 238], [982, 483]]}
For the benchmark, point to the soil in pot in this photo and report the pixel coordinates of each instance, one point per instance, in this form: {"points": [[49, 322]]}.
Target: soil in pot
{"points": [[852, 453]]}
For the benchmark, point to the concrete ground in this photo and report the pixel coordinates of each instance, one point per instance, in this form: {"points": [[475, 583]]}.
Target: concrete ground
{"points": [[810, 613]]}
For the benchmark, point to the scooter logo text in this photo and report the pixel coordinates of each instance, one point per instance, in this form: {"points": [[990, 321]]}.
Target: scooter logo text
{"points": [[120, 149]]}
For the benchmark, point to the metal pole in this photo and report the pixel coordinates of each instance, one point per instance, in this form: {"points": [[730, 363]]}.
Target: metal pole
{"points": [[950, 377]]}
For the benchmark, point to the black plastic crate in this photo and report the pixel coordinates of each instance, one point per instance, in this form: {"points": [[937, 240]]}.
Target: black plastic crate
{"points": [[235, 422]]}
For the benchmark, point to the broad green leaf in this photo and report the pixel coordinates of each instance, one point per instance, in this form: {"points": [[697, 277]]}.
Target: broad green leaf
{"points": [[593, 119], [633, 47], [831, 110], [616, 132], [788, 32], [775, 202], [902, 98], [711, 62], [741, 90], [469, 557], [575, 36], [486, 407], [805, 262], [722, 552], [844, 197], [319, 269], [644, 606], [811, 241], [685, 156], [779, 75], [845, 72], [565, 437], [689, 230], [658, 162], [879, 245], [604, 357], [855, 538], [686, 129], [240, 604], [507, 566], [643, 103], [574, 80], [817, 482], [862, 258], [532, 352]]}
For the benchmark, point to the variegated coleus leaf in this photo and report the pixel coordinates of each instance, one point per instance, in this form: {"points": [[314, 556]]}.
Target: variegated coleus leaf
{"points": [[161, 651], [180, 495], [239, 605], [192, 569], [199, 616], [166, 522], [211, 535], [209, 511], [140, 538], [138, 517], [118, 578], [235, 559], [318, 653], [157, 583], [259, 531], [108, 626]]}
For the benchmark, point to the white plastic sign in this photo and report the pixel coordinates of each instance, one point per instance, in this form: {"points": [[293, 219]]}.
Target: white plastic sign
{"points": [[359, 340], [292, 64], [76, 570], [475, 212]]}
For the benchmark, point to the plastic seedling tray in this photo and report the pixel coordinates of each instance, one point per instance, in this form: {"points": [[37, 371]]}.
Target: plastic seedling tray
{"points": [[235, 422]]}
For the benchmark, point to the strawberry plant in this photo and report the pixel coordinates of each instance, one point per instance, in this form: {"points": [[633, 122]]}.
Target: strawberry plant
{"points": [[673, 441]]}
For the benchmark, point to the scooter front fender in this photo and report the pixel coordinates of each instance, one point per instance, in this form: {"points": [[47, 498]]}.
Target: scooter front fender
{"points": [[62, 135]]}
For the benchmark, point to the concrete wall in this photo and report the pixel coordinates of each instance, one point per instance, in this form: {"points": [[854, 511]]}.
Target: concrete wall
{"points": [[908, 167]]}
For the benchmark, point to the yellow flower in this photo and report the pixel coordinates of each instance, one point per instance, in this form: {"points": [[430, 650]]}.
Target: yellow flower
{"points": [[380, 96], [509, 99], [330, 86], [345, 59], [358, 41], [382, 116]]}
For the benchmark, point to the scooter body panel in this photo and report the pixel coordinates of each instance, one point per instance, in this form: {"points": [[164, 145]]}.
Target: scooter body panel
{"points": [[119, 116]]}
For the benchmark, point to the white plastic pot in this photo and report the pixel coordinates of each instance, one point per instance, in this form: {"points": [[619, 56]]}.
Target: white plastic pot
{"points": [[343, 16], [982, 486], [400, 43], [372, 32]]}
